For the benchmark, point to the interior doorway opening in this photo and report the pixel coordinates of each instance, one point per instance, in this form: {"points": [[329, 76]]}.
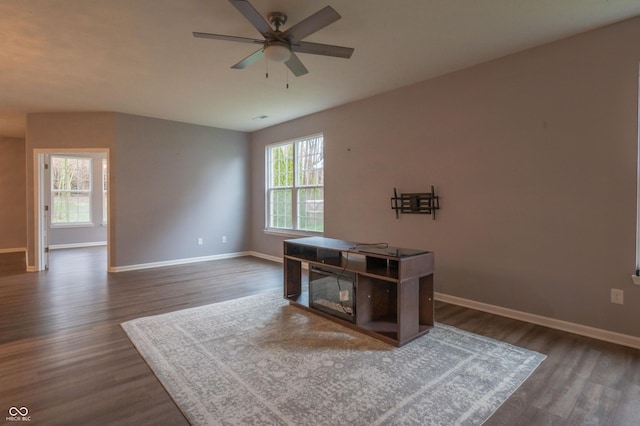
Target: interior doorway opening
{"points": [[71, 201]]}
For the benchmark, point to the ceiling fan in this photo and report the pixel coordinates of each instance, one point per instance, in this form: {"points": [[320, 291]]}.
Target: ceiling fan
{"points": [[282, 46]]}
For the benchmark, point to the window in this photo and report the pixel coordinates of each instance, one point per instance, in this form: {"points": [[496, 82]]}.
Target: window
{"points": [[295, 185], [70, 190]]}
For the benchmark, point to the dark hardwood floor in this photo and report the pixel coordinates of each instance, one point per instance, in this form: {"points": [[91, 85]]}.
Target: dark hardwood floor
{"points": [[64, 356]]}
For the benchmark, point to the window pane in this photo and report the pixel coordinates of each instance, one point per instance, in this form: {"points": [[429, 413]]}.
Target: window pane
{"points": [[71, 173], [280, 213], [311, 209], [281, 166], [310, 162], [70, 207]]}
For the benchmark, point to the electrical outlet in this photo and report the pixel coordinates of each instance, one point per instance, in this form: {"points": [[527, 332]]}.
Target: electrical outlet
{"points": [[344, 295], [200, 241], [224, 238], [617, 296]]}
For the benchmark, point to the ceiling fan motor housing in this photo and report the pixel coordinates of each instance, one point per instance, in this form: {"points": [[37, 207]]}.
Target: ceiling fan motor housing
{"points": [[277, 19]]}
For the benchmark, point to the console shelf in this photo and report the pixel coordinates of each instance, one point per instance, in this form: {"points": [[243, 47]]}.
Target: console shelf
{"points": [[385, 292]]}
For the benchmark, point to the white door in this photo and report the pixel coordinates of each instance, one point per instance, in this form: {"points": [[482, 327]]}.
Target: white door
{"points": [[43, 197], [47, 209]]}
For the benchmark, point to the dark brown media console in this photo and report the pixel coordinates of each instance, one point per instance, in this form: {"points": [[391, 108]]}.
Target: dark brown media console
{"points": [[385, 292]]}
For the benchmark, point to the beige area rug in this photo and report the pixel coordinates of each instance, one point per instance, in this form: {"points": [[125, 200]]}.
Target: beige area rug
{"points": [[257, 360]]}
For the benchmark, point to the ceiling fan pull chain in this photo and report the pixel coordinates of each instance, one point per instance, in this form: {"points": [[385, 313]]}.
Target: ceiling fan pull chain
{"points": [[266, 69], [287, 78]]}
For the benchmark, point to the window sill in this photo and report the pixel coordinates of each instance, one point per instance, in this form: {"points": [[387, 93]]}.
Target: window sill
{"points": [[73, 225], [291, 233]]}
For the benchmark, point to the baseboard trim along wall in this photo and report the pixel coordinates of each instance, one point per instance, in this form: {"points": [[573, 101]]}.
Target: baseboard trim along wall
{"points": [[277, 259], [13, 258], [582, 330], [77, 245], [13, 250], [176, 262], [266, 256]]}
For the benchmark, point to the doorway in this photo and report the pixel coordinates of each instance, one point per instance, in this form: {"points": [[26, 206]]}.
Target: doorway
{"points": [[60, 207]]}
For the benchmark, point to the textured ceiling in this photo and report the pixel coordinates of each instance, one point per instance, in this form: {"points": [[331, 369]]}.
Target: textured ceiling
{"points": [[139, 56]]}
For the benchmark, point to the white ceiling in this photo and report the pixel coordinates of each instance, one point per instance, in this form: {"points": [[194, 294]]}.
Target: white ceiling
{"points": [[139, 56]]}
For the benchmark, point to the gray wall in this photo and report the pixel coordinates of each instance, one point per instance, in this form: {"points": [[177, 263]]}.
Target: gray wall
{"points": [[176, 183], [62, 131], [13, 225], [169, 183], [534, 157]]}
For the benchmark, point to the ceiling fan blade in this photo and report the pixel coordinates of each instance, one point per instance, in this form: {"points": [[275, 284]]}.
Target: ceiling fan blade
{"points": [[253, 16], [313, 23], [249, 60], [295, 66], [322, 49], [228, 38]]}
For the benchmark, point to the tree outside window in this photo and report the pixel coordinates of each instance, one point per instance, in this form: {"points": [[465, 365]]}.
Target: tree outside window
{"points": [[70, 190]]}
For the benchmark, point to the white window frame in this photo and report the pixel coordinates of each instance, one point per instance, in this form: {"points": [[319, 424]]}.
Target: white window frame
{"points": [[86, 191], [295, 227]]}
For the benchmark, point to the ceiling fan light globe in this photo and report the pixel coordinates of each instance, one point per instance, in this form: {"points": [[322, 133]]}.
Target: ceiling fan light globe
{"points": [[277, 52]]}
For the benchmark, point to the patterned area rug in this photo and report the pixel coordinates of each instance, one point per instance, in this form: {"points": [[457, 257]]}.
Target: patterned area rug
{"points": [[257, 360]]}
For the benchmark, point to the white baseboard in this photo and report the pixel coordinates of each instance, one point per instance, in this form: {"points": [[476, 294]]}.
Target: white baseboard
{"points": [[176, 262], [277, 259], [17, 250], [13, 250], [77, 245], [582, 330]]}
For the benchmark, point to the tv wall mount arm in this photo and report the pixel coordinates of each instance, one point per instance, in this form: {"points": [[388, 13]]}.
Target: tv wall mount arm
{"points": [[416, 203]]}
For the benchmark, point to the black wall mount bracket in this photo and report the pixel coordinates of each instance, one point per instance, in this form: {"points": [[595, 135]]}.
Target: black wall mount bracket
{"points": [[416, 203]]}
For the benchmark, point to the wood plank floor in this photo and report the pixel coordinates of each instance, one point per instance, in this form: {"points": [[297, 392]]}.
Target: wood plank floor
{"points": [[64, 356]]}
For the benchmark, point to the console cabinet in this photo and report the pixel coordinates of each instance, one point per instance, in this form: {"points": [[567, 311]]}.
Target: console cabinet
{"points": [[385, 292]]}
